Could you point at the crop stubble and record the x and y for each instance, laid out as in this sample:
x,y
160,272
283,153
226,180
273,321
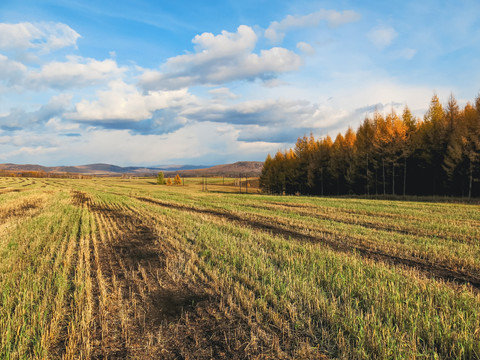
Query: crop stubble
x,y
142,280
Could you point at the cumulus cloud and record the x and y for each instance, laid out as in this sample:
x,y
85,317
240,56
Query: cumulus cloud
x,y
278,112
44,36
124,107
305,48
222,93
18,119
75,72
56,124
219,59
11,72
123,102
277,29
381,37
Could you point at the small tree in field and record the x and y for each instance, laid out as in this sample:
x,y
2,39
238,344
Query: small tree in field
x,y
177,180
160,178
169,181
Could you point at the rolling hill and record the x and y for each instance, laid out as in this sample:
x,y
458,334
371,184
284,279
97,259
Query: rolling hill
x,y
245,168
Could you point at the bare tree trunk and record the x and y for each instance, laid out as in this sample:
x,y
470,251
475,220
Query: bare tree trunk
x,y
393,177
471,181
404,175
383,173
368,189
349,180
321,172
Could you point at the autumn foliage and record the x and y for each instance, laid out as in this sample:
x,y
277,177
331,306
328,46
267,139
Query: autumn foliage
x,y
177,180
388,154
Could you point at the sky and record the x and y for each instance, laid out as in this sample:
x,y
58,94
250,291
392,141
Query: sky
x,y
153,82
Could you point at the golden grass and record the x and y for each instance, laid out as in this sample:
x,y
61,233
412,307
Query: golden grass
x,y
117,268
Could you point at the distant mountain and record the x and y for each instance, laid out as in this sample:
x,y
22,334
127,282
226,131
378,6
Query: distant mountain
x,y
26,167
249,168
240,168
180,167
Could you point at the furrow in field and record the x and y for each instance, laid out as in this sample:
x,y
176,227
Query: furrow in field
x,y
7,190
390,223
227,324
113,340
106,339
150,305
429,269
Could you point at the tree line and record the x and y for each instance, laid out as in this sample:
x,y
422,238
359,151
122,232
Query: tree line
x,y
388,154
43,174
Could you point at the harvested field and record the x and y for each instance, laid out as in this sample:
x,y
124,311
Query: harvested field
x,y
126,269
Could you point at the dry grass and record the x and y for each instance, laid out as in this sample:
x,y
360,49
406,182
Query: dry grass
x,y
116,268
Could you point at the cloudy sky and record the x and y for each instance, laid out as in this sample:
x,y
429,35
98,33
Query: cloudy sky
x,y
151,82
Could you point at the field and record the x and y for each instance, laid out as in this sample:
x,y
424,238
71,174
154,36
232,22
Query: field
x,y
125,268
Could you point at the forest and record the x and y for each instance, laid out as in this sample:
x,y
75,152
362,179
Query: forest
x,y
389,154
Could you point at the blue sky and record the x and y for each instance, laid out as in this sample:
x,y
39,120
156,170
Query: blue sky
x,y
208,82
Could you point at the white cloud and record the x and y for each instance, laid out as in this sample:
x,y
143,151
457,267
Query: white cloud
x,y
381,37
305,48
11,72
277,29
5,140
44,36
219,59
29,151
227,44
196,142
19,119
123,102
271,112
56,124
75,72
274,83
222,93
